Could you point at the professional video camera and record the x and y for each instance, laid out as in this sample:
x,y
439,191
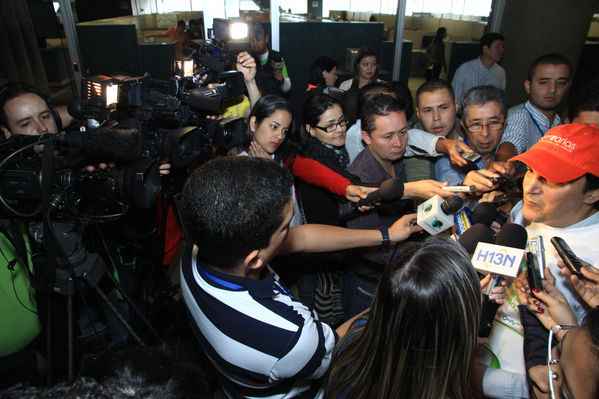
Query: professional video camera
x,y
178,102
136,149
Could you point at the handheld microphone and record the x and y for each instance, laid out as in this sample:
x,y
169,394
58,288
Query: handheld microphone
x,y
435,215
475,234
513,236
390,189
487,213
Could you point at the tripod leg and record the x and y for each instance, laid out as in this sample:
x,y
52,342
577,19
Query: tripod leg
x,y
49,376
133,306
71,359
118,315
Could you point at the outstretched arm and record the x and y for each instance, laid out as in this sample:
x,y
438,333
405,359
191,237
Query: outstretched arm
x,y
325,238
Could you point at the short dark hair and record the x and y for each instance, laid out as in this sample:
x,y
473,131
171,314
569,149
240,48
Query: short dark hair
x,y
316,105
488,38
591,323
320,65
15,89
402,91
379,105
257,30
370,90
233,205
548,59
434,85
481,95
591,183
181,23
585,99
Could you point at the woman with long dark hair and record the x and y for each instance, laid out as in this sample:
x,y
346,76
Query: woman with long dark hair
x,y
366,70
436,52
418,339
326,125
323,73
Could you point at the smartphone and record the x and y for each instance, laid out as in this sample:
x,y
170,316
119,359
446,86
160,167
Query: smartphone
x,y
536,247
532,271
277,65
460,189
471,156
568,256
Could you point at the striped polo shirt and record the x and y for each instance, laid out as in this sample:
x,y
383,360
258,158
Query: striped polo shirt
x,y
263,341
526,125
474,73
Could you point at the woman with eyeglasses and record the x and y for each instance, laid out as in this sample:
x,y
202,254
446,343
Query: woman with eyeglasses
x,y
270,134
320,277
326,125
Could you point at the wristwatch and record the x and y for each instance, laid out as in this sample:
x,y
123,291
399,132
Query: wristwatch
x,y
386,240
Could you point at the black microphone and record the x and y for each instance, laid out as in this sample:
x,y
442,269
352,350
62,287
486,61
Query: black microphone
x,y
475,234
390,189
487,213
83,109
107,144
514,236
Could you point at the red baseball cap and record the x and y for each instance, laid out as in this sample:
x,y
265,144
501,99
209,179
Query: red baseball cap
x,y
564,153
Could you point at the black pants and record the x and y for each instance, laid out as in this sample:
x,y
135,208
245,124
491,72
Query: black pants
x,y
434,72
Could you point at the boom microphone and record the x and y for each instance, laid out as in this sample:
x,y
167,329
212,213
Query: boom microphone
x,y
390,189
105,144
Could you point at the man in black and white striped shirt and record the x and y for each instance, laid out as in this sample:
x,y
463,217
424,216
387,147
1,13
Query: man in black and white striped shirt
x,y
262,340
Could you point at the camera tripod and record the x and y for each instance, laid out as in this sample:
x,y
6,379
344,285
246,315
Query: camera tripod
x,y
75,270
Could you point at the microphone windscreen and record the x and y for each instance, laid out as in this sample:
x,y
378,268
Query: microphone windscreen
x,y
485,213
109,144
391,189
512,235
475,234
452,204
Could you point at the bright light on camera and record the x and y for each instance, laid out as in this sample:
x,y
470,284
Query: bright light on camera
x,y
238,30
112,94
183,66
188,68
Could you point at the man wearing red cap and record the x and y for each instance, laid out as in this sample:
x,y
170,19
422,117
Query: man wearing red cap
x,y
561,197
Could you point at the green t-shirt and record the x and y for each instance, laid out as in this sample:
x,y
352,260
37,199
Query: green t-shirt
x,y
19,322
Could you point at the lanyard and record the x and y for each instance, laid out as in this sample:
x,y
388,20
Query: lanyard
x,y
535,122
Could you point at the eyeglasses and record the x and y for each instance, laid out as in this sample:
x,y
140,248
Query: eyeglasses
x,y
493,126
553,375
333,126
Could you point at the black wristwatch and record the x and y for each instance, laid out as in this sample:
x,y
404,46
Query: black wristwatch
x,y
386,240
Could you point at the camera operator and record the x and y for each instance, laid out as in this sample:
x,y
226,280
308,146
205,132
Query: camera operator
x,y
25,110
241,106
272,72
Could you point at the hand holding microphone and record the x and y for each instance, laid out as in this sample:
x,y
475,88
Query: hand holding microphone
x,y
511,236
390,189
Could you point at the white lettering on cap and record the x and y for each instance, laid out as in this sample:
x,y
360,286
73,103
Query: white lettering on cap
x,y
563,142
